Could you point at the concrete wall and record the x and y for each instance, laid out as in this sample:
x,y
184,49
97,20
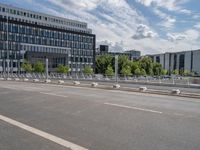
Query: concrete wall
x,y
187,61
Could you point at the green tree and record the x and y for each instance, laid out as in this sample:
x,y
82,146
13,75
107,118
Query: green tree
x,y
102,62
137,72
62,69
146,63
27,67
143,72
123,62
164,72
186,73
175,72
134,67
109,71
157,69
126,71
88,70
39,67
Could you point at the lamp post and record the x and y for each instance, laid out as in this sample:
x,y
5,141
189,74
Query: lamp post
x,y
7,59
116,68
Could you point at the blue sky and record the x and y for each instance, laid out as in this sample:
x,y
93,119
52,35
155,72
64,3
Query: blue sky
x,y
152,26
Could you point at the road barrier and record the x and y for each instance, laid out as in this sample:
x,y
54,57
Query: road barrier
x,y
61,81
47,81
76,83
116,86
142,89
25,79
36,80
176,91
94,84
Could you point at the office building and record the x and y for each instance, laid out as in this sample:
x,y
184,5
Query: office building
x,y
185,60
36,36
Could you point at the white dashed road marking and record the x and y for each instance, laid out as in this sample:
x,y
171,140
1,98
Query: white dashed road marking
x,y
135,108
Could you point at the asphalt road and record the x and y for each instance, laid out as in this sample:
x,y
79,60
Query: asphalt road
x,y
39,116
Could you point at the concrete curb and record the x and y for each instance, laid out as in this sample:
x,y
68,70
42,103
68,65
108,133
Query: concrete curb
x,y
137,90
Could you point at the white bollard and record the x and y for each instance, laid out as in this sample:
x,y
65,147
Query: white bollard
x,y
47,81
16,79
176,91
61,81
116,86
36,80
25,79
142,89
76,83
94,84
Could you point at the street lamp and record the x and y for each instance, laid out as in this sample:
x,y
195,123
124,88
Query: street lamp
x,y
116,68
7,60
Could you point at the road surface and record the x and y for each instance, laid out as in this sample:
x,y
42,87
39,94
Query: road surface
x,y
41,116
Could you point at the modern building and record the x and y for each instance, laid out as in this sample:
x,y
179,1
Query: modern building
x,y
36,36
132,54
185,60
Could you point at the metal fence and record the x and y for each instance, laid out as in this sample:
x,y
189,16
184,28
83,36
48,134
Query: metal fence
x,y
98,77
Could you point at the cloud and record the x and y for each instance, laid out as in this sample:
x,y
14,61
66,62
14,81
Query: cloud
x,y
188,35
171,5
142,32
197,26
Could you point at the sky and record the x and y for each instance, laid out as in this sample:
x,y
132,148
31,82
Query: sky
x,y
151,26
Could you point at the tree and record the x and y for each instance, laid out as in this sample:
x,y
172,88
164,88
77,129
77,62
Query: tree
x,y
157,69
62,69
175,72
134,67
126,71
186,73
102,62
143,72
137,72
109,71
39,67
88,70
164,72
146,63
27,67
123,62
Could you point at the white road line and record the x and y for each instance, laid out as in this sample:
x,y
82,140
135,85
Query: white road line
x,y
53,94
43,134
136,108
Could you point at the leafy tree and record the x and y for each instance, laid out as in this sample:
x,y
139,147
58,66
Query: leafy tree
x,y
123,62
147,64
62,69
164,72
109,71
186,73
27,67
126,71
39,67
88,70
137,72
134,66
143,72
175,72
157,69
102,62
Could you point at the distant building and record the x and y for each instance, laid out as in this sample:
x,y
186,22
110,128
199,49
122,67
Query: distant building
x,y
132,54
36,36
185,60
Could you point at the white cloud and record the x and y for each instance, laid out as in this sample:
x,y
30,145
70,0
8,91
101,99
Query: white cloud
x,y
116,22
197,26
142,32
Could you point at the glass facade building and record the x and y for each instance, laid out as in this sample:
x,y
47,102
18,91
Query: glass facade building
x,y
35,36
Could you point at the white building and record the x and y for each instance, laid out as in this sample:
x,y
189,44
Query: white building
x,y
185,60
